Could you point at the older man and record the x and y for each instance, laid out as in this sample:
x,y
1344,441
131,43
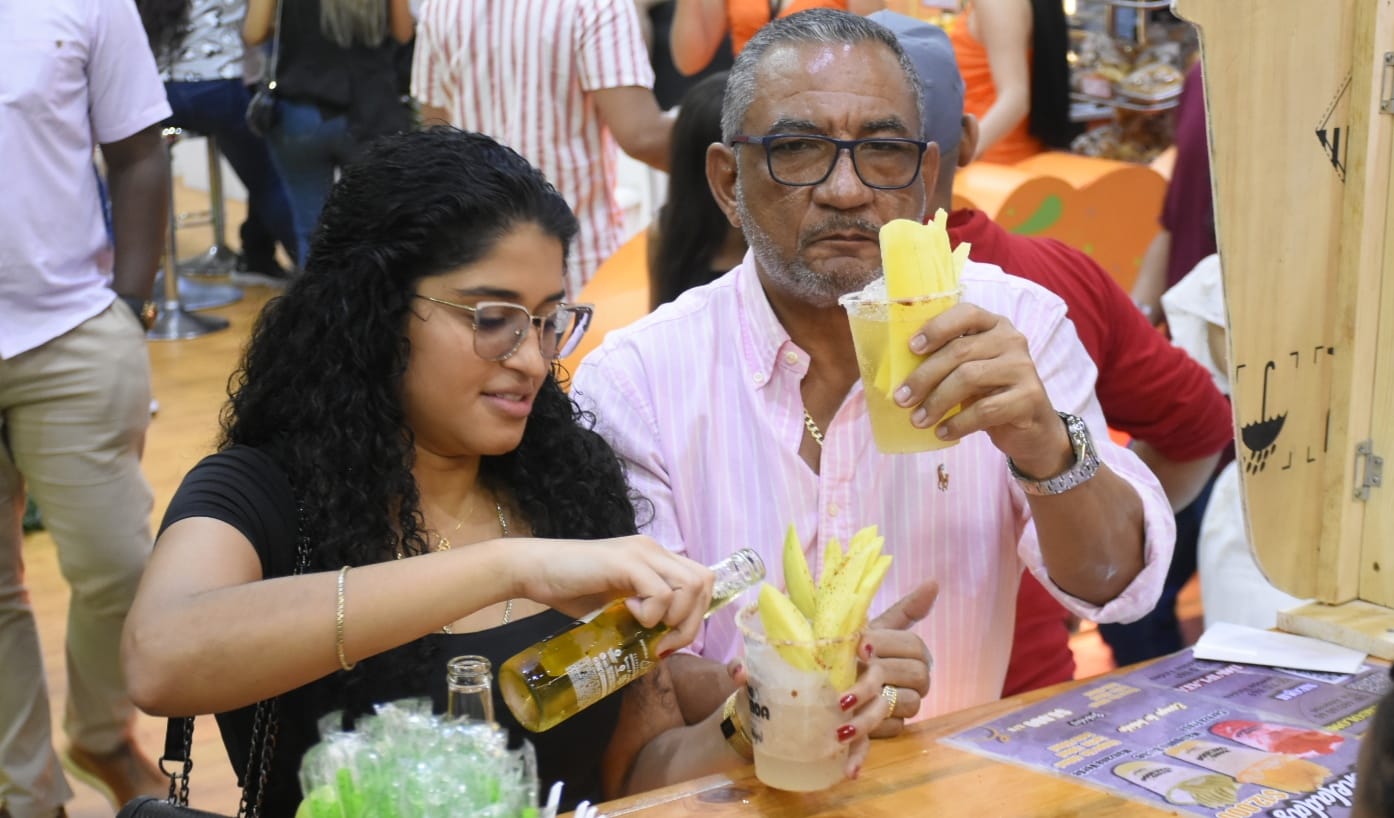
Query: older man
x,y
1148,388
739,410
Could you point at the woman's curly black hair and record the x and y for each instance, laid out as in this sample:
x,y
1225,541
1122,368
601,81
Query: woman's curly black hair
x,y
320,385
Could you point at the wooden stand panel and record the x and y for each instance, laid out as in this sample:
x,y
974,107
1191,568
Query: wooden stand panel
x,y
1300,168
1360,625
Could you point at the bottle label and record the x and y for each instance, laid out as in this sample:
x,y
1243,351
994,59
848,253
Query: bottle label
x,y
595,677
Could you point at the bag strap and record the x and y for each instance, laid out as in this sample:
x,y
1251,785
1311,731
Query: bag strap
x,y
275,49
179,732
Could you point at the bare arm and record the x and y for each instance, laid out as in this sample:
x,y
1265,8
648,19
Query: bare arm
x,y
1152,277
399,17
865,7
1182,480
432,115
700,685
643,130
259,22
138,175
1004,27
696,34
1091,537
651,747
206,575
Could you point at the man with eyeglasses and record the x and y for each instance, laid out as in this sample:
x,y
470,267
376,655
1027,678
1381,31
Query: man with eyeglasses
x,y
1147,387
739,410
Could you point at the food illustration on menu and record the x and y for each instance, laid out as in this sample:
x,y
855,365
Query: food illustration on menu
x,y
1204,738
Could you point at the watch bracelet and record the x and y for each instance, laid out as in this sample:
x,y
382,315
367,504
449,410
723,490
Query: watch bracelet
x,y
1085,466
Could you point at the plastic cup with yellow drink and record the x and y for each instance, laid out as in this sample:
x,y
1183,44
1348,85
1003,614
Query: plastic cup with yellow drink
x,y
921,281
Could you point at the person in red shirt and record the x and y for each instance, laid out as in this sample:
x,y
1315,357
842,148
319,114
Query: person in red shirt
x,y
1179,421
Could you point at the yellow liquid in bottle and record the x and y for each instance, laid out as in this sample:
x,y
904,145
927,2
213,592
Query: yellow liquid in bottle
x,y
553,680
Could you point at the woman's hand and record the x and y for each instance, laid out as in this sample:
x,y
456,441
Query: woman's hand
x,y
867,710
903,656
579,576
862,702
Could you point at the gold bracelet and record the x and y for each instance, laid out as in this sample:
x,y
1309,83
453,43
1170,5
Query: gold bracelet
x,y
339,623
733,728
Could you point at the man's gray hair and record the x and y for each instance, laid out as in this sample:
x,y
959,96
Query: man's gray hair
x,y
825,26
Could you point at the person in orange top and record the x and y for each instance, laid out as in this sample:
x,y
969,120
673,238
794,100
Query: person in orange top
x,y
1017,83
699,26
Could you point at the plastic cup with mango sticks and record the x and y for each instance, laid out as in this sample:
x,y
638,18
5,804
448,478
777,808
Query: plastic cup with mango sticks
x,y
794,713
881,329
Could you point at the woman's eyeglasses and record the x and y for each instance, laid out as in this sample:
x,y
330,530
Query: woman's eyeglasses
x,y
500,327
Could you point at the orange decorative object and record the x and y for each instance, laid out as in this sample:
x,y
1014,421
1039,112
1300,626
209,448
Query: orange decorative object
x,y
620,292
1109,210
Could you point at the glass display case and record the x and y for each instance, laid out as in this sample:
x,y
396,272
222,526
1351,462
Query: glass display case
x,y
1128,60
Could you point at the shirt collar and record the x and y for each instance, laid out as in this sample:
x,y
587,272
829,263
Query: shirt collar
x,y
762,335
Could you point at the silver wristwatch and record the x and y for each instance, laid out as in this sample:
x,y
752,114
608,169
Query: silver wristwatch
x,y
1085,465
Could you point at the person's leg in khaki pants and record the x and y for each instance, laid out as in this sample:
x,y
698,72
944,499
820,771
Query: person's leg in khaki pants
x,y
74,415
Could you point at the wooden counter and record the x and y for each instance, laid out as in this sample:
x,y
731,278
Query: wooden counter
x,y
911,775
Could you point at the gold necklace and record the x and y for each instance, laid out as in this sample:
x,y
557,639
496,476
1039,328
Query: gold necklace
x,y
444,545
503,526
813,428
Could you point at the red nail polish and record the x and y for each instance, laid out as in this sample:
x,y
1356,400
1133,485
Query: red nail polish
x,y
665,654
846,732
868,649
848,702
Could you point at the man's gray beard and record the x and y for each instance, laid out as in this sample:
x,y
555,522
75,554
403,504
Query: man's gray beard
x,y
793,276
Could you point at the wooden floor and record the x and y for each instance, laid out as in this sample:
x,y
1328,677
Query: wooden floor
x,y
190,382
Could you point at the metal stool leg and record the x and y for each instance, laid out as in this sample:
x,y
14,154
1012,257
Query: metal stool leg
x,y
219,259
173,321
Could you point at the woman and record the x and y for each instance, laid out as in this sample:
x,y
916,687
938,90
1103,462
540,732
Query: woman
x,y
700,26
692,242
337,87
396,407
1012,54
198,47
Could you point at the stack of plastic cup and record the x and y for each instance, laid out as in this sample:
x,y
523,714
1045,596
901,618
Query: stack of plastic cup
x,y
405,762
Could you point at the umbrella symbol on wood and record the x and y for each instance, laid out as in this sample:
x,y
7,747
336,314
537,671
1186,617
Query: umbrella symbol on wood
x,y
1260,436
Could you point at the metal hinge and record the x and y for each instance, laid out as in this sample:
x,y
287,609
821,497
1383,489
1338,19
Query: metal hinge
x,y
1374,469
1386,87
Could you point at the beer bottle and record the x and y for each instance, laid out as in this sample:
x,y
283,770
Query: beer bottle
x,y
548,683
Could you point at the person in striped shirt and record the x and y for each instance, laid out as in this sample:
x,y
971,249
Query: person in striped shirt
x,y
739,410
566,83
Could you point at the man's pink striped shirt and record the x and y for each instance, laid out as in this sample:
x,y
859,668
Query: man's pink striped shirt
x,y
701,398
521,72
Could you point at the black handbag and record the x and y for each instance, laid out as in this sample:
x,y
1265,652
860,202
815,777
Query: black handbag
x,y
179,745
261,110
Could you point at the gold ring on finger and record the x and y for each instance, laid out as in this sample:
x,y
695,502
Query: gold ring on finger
x,y
891,694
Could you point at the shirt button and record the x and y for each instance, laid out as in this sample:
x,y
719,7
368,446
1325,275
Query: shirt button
x,y
833,510
791,358
758,377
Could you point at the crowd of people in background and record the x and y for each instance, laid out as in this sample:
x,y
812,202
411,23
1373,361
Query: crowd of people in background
x,y
433,163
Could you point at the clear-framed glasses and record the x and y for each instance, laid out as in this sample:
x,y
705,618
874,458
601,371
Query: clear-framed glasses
x,y
501,327
801,160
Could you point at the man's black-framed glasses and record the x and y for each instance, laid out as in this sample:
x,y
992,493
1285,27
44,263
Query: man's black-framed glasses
x,y
501,327
801,160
